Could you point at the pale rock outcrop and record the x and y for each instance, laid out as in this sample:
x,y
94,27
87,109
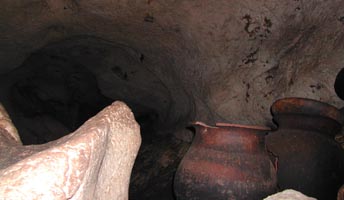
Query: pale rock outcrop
x,y
94,162
289,195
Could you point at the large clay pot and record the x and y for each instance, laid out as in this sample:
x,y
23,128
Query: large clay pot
x,y
308,157
226,162
340,195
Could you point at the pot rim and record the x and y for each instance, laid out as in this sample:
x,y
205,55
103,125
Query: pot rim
x,y
223,124
262,128
306,106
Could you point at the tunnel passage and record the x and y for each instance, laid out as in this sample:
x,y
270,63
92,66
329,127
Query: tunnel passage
x,y
62,85
54,99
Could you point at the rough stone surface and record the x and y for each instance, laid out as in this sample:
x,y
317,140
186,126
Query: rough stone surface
x,y
233,58
7,126
289,195
94,162
154,169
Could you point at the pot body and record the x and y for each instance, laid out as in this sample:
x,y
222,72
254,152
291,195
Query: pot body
x,y
340,195
309,160
226,162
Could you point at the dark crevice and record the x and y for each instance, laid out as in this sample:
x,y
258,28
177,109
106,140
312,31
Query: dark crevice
x,y
339,84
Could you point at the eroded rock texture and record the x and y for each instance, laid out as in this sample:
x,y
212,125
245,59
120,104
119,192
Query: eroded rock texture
x,y
233,57
289,194
94,162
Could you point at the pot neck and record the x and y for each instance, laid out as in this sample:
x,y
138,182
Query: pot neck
x,y
234,139
320,124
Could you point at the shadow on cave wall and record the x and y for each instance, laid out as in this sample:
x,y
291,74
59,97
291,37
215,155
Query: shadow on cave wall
x,y
57,97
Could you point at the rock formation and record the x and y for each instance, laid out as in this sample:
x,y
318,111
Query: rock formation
x,y
289,194
94,162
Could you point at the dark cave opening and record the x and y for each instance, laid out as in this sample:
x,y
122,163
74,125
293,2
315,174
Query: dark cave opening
x,y
62,85
57,97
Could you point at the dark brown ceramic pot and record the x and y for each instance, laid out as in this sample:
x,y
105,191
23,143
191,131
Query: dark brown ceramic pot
x,y
340,195
308,157
226,162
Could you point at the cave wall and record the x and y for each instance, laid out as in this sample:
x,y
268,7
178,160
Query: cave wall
x,y
227,60
180,60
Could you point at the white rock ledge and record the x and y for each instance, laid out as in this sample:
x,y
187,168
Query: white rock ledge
x,y
289,195
94,162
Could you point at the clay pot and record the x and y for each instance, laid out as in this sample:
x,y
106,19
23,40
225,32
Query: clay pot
x,y
226,162
308,157
340,195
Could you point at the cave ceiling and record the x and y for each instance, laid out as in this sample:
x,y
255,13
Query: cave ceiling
x,y
202,60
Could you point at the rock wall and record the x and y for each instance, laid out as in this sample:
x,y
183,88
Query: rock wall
x,y
94,162
234,58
